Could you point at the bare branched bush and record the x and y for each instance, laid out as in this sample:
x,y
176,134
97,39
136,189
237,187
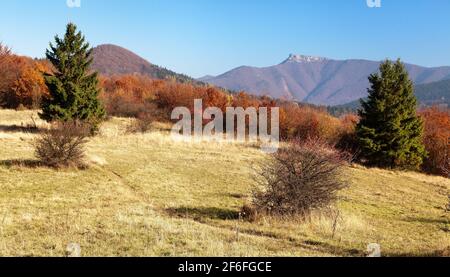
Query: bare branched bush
x,y
62,145
142,124
302,177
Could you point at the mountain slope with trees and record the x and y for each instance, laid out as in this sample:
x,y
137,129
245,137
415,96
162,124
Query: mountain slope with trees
x,y
114,60
432,94
435,93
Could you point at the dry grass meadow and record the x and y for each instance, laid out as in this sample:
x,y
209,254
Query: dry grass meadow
x,y
147,195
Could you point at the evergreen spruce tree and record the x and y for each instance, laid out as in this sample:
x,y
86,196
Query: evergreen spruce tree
x,y
390,132
73,90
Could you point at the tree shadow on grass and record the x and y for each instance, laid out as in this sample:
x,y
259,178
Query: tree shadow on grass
x,y
329,248
37,164
445,252
21,163
236,195
21,129
442,220
204,212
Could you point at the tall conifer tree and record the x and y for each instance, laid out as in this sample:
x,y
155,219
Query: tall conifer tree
x,y
73,90
390,132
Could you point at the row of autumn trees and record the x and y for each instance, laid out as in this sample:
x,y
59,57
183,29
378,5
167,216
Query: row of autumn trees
x,y
388,132
21,80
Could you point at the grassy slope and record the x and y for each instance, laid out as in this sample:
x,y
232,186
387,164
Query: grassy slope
x,y
146,195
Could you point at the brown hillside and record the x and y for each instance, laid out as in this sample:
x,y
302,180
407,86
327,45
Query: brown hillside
x,y
115,60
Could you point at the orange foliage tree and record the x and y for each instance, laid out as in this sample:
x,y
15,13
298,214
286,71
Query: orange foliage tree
x,y
128,95
304,122
347,140
213,97
8,72
437,140
29,87
21,80
245,100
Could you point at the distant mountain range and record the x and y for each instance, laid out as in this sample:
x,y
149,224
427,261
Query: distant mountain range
x,y
315,80
114,60
309,79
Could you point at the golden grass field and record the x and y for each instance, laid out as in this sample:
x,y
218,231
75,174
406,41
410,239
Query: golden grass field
x,y
147,195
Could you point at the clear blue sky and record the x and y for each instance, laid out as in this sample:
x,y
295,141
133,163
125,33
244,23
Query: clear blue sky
x,y
200,37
